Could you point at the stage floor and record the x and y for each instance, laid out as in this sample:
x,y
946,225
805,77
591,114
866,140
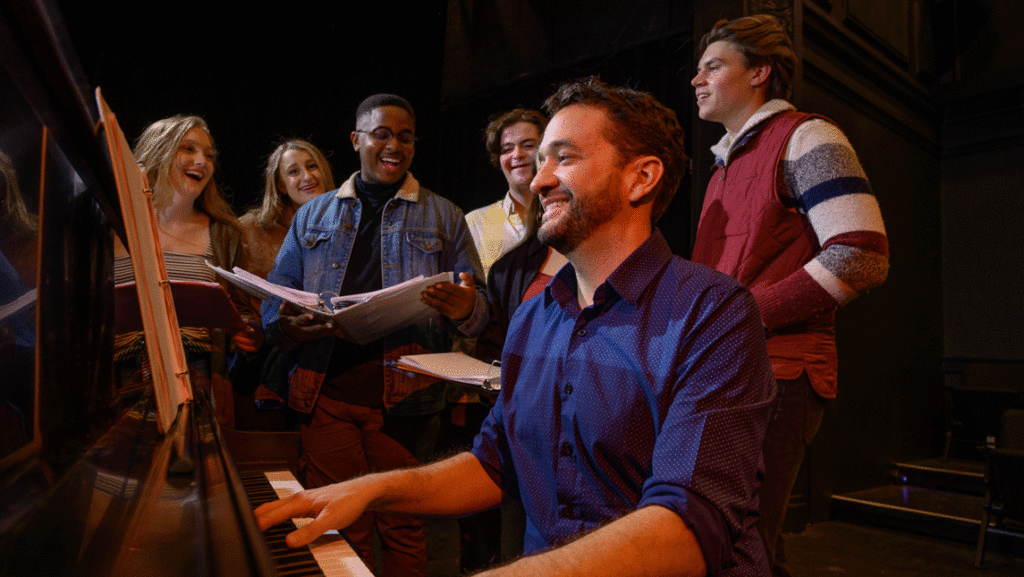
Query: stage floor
x,y
835,548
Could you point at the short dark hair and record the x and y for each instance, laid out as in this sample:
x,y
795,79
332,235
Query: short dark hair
x,y
639,126
761,40
498,124
377,100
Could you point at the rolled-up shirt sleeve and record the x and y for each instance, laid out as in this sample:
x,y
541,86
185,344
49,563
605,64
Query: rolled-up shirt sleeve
x,y
707,455
491,447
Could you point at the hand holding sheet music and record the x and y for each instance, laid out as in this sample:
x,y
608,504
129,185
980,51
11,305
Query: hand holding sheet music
x,y
361,318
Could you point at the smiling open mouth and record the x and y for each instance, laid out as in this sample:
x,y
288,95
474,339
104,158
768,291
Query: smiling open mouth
x,y
553,206
391,163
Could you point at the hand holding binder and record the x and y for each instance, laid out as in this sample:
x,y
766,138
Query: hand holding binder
x,y
361,318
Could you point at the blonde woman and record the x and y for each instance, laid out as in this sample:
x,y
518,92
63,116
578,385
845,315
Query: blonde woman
x,y
296,172
194,225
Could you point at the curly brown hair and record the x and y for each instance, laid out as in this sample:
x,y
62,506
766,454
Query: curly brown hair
x,y
639,125
498,124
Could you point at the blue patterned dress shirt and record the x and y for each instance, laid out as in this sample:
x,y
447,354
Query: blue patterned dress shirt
x,y
657,394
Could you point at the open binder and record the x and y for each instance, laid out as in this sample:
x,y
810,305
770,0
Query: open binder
x,y
364,317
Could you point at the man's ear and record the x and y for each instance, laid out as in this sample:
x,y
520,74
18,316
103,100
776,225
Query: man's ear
x,y
761,75
355,140
646,173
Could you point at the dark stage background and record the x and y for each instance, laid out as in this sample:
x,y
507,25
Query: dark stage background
x,y
258,75
300,70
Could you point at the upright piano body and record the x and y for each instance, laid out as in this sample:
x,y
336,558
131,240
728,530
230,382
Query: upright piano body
x,y
88,485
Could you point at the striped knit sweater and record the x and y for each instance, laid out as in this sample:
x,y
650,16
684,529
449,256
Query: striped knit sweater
x,y
825,181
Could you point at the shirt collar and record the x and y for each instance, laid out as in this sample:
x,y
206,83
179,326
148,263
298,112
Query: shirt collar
x,y
507,205
628,280
729,143
410,190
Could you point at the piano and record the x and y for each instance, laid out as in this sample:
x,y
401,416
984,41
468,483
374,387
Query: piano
x,y
88,485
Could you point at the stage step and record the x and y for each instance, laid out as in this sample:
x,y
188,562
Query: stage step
x,y
955,475
943,514
932,497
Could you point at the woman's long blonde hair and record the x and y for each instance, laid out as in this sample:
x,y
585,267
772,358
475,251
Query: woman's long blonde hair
x,y
274,201
155,151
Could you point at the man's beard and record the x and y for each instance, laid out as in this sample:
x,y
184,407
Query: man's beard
x,y
581,217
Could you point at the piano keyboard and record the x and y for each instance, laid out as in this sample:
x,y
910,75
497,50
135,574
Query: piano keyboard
x,y
329,555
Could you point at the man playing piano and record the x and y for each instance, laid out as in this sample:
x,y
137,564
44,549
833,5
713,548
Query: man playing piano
x,y
636,385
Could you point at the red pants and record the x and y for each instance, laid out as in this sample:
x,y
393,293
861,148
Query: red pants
x,y
342,441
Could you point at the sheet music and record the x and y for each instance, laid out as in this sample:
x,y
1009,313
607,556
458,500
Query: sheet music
x,y
458,367
171,384
363,317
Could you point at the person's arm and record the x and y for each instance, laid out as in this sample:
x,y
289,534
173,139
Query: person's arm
x,y
455,486
724,388
229,252
287,271
825,180
647,542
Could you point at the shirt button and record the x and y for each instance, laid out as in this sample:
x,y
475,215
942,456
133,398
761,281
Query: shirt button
x,y
568,389
582,332
335,265
348,225
566,449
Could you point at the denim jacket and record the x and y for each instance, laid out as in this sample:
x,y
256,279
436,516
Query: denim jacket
x,y
421,233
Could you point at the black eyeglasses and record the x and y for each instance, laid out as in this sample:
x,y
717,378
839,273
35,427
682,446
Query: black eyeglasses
x,y
383,135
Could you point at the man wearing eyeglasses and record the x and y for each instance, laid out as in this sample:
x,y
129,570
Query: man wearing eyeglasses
x,y
378,229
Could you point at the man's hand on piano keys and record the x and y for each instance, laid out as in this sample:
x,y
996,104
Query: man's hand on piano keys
x,y
331,507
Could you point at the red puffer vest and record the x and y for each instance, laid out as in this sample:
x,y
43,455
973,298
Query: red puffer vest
x,y
746,231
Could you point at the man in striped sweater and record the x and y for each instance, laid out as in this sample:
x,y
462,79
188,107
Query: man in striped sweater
x,y
789,213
